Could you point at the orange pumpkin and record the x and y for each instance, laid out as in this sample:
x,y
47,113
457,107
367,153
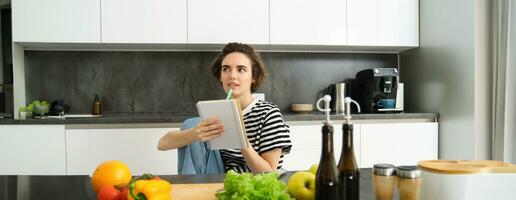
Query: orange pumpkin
x,y
111,173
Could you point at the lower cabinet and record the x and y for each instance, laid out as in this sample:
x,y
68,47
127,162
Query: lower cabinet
x,y
394,143
54,150
32,150
307,146
137,147
398,143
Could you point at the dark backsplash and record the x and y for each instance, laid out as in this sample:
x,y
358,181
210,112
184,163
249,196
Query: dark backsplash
x,y
172,82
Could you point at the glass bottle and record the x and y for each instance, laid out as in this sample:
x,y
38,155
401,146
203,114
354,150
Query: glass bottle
x,y
349,175
326,179
97,106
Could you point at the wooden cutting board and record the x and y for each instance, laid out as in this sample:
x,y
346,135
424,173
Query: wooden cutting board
x,y
200,191
466,166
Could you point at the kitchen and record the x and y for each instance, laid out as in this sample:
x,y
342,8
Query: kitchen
x,y
129,58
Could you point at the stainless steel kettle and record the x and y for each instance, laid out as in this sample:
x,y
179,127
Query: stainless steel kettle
x,y
338,93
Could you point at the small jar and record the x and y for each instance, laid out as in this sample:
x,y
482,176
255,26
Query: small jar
x,y
23,115
409,182
383,181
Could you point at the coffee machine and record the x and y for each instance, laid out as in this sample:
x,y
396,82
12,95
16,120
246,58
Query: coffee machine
x,y
378,90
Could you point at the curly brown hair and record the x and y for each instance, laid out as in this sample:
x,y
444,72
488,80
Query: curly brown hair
x,y
258,69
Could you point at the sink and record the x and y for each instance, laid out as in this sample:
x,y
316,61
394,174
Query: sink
x,y
68,116
81,115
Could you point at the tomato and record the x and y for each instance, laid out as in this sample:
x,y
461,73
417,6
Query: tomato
x,y
110,173
108,193
123,194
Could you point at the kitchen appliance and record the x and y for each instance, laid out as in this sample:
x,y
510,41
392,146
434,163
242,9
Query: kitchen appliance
x,y
338,93
59,108
467,180
373,87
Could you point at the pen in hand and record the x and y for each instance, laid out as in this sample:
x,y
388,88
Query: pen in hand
x,y
229,94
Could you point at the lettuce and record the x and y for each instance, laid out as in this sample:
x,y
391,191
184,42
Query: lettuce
x,y
245,186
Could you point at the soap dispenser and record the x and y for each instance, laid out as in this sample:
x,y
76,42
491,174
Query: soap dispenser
x,y
97,106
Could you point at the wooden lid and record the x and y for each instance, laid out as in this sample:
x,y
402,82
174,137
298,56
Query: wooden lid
x,y
466,166
302,107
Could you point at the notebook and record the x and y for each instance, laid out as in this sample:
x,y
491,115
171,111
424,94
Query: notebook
x,y
228,111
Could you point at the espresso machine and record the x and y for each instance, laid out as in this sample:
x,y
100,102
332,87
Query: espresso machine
x,y
378,90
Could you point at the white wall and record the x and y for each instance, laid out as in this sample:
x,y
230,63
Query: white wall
x,y
510,146
1,60
440,76
483,78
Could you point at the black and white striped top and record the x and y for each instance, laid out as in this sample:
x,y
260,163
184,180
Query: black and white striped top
x,y
266,130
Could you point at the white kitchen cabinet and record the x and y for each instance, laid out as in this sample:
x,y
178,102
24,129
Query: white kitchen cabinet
x,y
307,146
32,150
56,21
137,147
312,22
383,23
398,143
151,21
220,22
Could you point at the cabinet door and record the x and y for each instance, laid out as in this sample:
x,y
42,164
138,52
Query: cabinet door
x,y
151,21
56,21
307,146
317,22
398,143
383,23
87,148
32,150
220,22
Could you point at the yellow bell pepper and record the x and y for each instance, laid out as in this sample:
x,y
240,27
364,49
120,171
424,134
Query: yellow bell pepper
x,y
147,187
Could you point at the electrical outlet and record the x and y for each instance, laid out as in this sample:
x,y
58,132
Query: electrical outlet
x,y
259,96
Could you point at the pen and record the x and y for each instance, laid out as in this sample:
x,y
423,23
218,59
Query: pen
x,y
229,94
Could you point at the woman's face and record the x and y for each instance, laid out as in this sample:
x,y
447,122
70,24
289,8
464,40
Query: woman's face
x,y
236,74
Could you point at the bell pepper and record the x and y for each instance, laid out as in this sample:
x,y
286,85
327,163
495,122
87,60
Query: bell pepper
x,y
149,187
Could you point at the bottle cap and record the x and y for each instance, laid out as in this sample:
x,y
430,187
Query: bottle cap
x,y
383,169
408,171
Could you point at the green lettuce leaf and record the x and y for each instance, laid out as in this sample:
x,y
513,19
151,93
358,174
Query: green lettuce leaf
x,y
245,186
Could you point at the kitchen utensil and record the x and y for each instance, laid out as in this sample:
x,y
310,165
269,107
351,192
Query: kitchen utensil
x,y
384,178
59,108
471,180
302,108
338,93
409,182
195,191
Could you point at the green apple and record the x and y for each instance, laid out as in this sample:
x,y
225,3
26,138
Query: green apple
x,y
301,185
313,169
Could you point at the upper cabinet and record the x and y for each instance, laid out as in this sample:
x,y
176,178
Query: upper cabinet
x,y
307,25
56,21
151,21
313,22
383,23
220,22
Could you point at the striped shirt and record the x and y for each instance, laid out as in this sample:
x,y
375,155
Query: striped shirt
x,y
266,130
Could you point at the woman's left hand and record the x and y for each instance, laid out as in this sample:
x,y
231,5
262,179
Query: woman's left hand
x,y
208,129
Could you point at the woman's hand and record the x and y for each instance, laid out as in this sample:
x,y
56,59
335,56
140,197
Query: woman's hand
x,y
208,129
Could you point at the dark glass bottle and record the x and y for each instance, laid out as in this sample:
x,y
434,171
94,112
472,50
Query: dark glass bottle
x,y
326,179
349,175
97,106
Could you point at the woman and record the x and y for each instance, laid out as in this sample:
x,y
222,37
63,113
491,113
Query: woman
x,y
239,67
